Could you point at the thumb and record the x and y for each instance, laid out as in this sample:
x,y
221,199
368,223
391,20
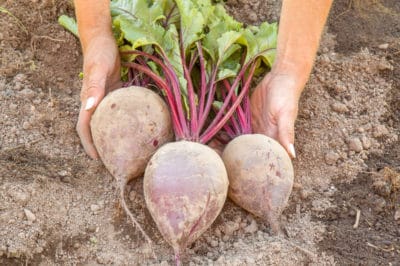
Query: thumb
x,y
286,135
93,89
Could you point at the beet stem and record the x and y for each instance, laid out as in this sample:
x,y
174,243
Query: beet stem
x,y
210,98
191,94
203,86
239,111
217,125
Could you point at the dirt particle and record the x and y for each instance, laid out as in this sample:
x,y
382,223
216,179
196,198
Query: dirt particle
x,y
29,215
253,17
230,227
339,107
66,179
94,208
380,131
19,78
214,243
379,204
355,144
331,157
384,65
366,142
397,215
383,46
63,173
13,106
19,197
27,93
91,228
252,227
305,194
132,195
38,250
26,125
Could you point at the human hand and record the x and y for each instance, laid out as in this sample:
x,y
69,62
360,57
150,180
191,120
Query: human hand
x,y
101,74
274,106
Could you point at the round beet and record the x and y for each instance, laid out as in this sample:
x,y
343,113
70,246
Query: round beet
x,y
185,188
127,127
260,176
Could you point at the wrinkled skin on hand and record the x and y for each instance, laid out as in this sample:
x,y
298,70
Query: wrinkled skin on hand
x,y
274,107
101,70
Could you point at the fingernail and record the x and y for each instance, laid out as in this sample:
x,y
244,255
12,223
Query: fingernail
x,y
292,151
89,103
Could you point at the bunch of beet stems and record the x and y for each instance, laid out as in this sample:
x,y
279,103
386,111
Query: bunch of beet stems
x,y
192,124
240,122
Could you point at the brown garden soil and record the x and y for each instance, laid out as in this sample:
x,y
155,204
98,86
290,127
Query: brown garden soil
x,y
58,207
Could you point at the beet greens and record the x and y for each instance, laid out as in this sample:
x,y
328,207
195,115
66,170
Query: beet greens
x,y
193,52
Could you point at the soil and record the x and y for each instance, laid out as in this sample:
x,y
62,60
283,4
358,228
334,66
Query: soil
x,y
58,207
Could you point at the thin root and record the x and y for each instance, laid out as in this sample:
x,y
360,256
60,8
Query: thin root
x,y
134,221
305,251
21,145
379,248
357,222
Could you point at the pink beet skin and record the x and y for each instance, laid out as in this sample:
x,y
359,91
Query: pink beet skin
x,y
185,187
260,176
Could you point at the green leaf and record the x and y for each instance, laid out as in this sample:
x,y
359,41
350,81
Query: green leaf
x,y
260,41
146,11
226,45
191,24
69,24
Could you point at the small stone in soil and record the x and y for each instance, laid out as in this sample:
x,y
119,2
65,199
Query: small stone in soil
x,y
331,157
252,228
397,215
20,197
355,145
380,131
380,204
383,46
29,215
132,195
366,142
230,227
26,125
339,107
214,243
94,208
27,93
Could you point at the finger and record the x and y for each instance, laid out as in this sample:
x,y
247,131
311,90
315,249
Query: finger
x,y
92,93
271,130
84,132
286,135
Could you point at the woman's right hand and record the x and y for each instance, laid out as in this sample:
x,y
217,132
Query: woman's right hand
x,y
101,74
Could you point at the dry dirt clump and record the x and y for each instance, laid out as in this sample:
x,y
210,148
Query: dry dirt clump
x,y
254,11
